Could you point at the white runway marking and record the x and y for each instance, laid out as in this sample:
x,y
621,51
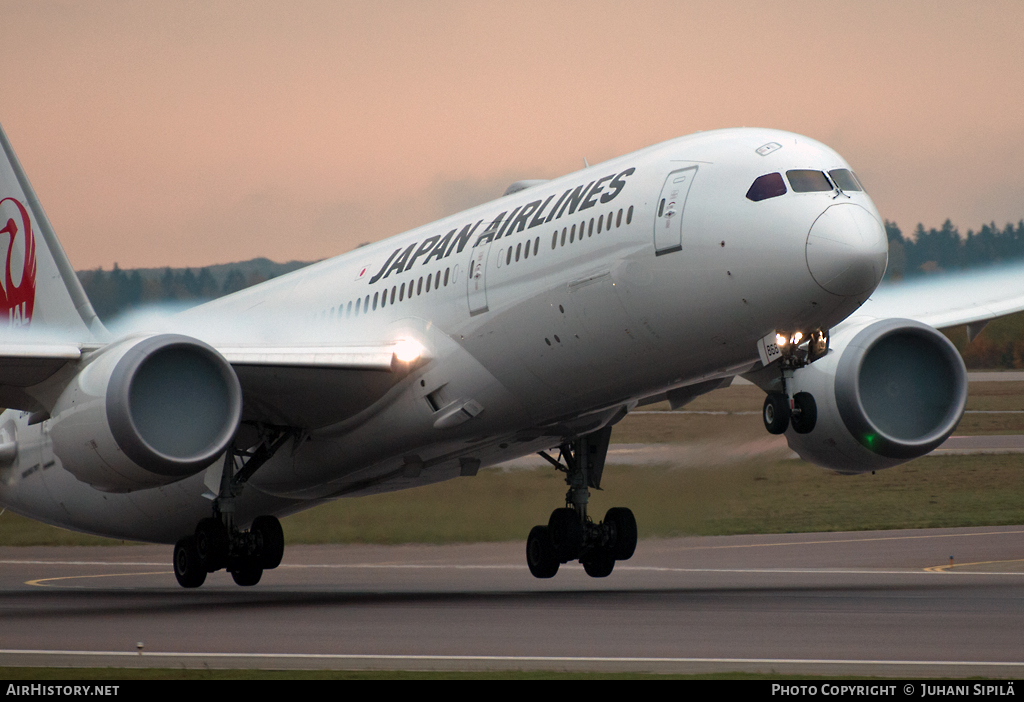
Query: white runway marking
x,y
412,658
930,570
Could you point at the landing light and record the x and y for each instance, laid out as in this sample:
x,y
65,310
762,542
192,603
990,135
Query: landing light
x,y
780,340
408,350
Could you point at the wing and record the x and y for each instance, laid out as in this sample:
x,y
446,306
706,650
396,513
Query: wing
x,y
951,299
23,366
307,386
315,386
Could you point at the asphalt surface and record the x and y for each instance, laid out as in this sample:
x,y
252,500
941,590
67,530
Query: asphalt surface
x,y
853,603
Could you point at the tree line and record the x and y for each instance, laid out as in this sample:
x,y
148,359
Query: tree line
x,y
945,249
120,290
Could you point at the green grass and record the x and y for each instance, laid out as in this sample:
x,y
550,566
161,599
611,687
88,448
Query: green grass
x,y
752,497
747,498
16,530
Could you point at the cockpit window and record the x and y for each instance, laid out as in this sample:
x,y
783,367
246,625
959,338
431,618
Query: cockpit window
x,y
846,180
767,186
808,181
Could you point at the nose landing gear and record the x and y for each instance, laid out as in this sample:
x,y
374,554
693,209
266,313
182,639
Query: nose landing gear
x,y
570,534
779,413
784,409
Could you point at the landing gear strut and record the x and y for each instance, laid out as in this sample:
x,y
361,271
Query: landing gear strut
x,y
217,542
570,534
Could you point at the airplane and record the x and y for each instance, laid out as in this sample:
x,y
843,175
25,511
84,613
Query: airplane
x,y
528,324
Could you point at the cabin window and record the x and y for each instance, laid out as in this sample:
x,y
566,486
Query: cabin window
x,y
554,240
357,307
519,248
401,293
629,215
808,181
375,299
766,186
508,256
446,277
564,230
393,291
572,234
419,286
618,220
348,312
591,227
600,221
846,180
536,246
526,251
437,280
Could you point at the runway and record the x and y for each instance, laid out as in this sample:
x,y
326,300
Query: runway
x,y
853,603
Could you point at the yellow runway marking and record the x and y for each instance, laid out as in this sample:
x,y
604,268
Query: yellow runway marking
x,y
40,581
945,568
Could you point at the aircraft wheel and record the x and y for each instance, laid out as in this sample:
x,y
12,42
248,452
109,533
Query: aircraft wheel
x,y
540,554
599,563
804,420
566,534
211,540
776,413
247,576
271,539
624,544
188,568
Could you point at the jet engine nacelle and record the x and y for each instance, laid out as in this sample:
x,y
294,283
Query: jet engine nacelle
x,y
886,393
146,412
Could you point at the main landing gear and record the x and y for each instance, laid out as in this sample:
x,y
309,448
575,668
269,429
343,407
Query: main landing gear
x,y
217,542
570,534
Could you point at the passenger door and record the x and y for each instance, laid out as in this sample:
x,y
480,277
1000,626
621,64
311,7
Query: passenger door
x,y
668,222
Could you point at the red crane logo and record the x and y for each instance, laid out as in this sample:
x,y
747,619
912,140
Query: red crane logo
x,y
17,301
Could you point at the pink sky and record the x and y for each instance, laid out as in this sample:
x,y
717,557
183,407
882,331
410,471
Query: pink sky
x,y
191,133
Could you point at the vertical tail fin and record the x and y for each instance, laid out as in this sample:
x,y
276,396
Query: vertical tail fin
x,y
38,286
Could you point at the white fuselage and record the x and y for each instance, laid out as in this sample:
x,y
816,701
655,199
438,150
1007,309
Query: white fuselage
x,y
535,347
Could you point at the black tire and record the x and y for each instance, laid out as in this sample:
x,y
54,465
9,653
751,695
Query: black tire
x,y
566,532
270,536
806,417
212,540
188,568
247,576
776,413
623,522
599,563
540,554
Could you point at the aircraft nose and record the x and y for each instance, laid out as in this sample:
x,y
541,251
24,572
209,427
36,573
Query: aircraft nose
x,y
847,250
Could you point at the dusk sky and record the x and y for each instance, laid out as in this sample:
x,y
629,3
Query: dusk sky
x,y
191,133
